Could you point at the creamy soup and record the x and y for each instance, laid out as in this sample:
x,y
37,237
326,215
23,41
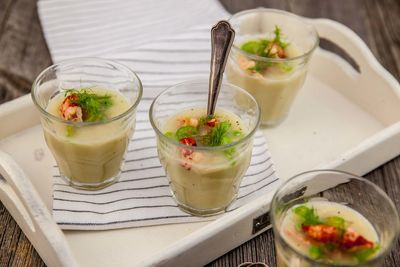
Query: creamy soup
x,y
89,154
326,232
204,177
274,84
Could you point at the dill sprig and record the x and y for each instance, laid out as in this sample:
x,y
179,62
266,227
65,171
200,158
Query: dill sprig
x,y
219,134
93,105
222,134
278,37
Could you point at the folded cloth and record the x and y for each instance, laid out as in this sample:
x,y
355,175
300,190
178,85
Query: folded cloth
x,y
164,42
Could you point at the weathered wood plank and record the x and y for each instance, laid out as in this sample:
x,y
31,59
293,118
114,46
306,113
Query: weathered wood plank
x,y
15,248
5,6
384,23
23,51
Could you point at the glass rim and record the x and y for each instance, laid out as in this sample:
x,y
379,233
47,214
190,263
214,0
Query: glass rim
x,y
376,258
77,61
204,148
282,12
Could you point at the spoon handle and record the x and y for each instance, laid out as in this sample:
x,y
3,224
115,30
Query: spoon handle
x,y
222,36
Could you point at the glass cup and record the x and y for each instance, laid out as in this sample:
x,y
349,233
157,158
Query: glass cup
x,y
89,154
274,82
359,199
206,187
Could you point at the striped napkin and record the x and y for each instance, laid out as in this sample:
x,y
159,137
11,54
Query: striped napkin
x,y
165,42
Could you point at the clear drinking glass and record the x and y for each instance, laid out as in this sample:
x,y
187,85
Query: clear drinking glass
x,y
89,154
206,187
324,190
274,82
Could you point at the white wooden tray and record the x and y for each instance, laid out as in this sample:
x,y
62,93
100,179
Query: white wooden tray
x,y
341,119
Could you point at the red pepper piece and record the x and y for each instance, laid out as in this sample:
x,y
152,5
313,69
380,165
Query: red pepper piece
x,y
322,233
189,141
352,239
212,122
186,153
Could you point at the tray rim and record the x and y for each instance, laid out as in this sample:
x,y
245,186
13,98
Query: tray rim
x,y
251,209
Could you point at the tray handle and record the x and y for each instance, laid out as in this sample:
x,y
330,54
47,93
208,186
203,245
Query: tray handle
x,y
354,46
32,215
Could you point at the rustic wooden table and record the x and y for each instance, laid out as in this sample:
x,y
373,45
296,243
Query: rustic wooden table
x,y
23,54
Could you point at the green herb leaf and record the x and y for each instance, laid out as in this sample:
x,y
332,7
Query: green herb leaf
x,y
329,247
255,47
236,133
338,222
260,66
315,252
365,254
170,135
186,131
230,153
70,130
285,67
306,215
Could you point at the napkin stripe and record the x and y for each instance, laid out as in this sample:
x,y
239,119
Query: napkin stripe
x,y
169,72
258,172
112,201
243,185
129,221
118,210
113,191
258,189
162,62
261,162
141,159
137,179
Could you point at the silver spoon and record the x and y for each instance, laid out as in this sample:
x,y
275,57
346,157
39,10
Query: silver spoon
x,y
222,36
